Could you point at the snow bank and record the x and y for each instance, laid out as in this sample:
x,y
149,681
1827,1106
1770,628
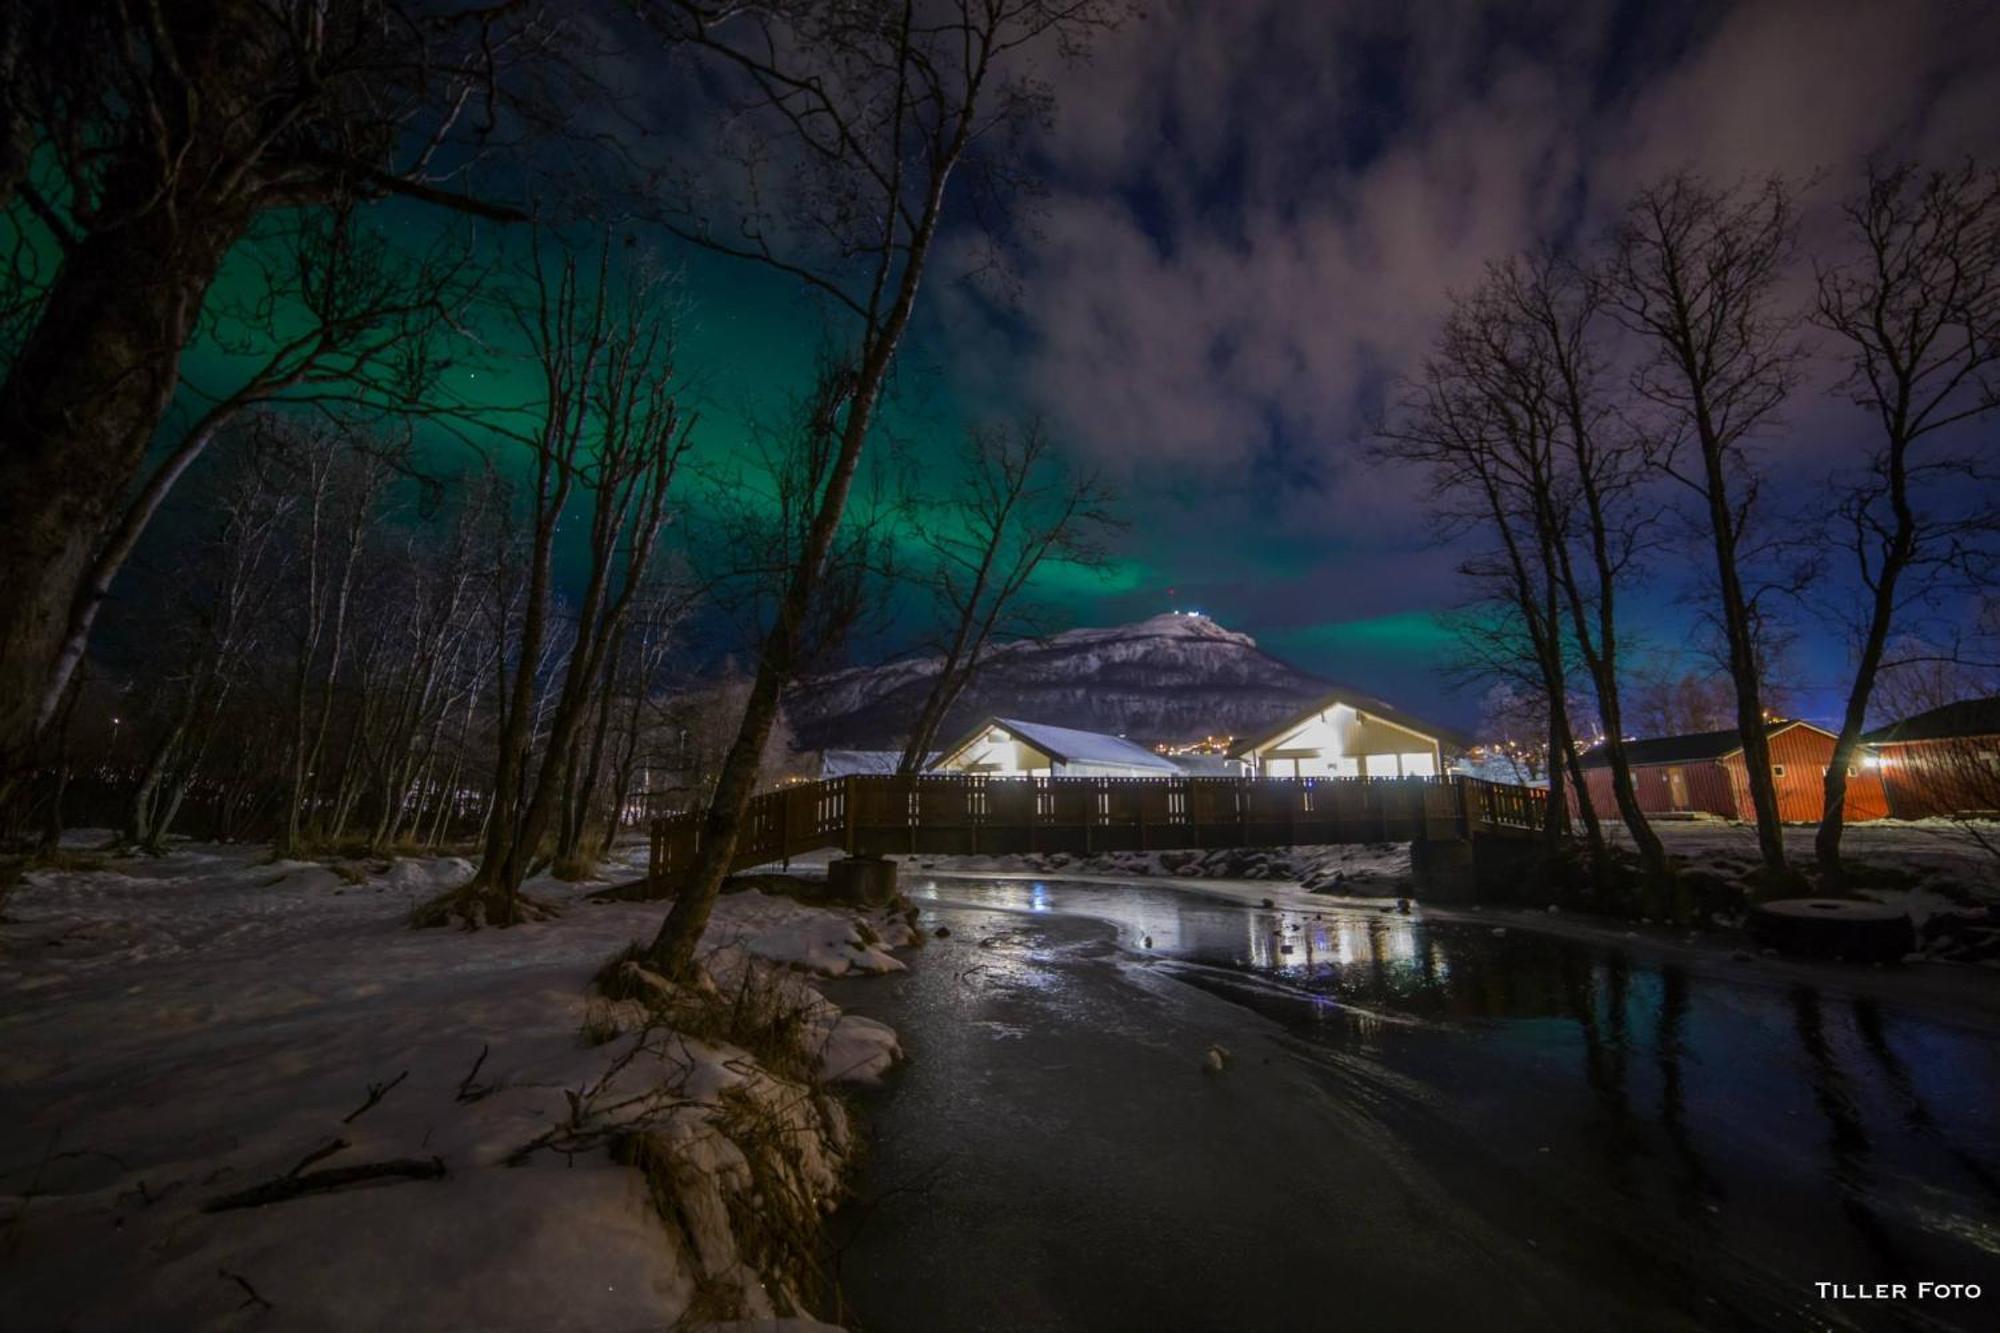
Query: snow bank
x,y
182,1029
813,939
1360,869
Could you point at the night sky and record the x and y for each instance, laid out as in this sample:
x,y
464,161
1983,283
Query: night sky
x,y
1256,211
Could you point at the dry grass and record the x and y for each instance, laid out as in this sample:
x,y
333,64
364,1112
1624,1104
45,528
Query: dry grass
x,y
580,864
779,1121
764,1011
780,1229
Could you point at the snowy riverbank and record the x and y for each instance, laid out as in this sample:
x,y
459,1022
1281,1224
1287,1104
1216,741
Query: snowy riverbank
x,y
189,1034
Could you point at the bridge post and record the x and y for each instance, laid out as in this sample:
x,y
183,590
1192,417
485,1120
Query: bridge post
x,y
847,820
1444,870
1484,868
866,880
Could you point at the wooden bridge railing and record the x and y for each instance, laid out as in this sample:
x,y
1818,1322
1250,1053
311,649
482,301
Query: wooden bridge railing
x,y
974,815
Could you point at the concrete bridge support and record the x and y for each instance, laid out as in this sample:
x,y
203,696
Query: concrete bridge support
x,y
867,881
1478,869
1443,871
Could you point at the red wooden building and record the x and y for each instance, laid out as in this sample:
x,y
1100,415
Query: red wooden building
x,y
1942,762
1705,772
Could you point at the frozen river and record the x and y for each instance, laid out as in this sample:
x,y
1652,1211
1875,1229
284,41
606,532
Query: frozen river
x,y
1422,1124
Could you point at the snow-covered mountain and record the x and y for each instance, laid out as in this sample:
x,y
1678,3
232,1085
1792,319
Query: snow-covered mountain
x,y
1175,677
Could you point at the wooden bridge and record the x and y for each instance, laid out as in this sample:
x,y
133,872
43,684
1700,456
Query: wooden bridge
x,y
953,815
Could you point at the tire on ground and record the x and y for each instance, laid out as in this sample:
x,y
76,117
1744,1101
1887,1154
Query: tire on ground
x,y
1859,932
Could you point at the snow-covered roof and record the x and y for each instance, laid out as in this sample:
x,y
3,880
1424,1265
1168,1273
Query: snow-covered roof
x,y
1208,765
1691,748
847,763
1071,746
1450,738
1953,721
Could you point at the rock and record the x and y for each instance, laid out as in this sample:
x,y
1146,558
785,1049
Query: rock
x,y
1217,1058
1266,902
1403,906
1499,932
942,932
1147,942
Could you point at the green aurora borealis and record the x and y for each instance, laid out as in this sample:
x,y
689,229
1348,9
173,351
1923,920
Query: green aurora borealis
x,y
748,340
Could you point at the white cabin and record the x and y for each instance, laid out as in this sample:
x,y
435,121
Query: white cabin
x,y
1349,736
1004,747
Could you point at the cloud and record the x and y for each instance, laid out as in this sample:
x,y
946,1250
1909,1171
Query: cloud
x,y
1261,208
1259,211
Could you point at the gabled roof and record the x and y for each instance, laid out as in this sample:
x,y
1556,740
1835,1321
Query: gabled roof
x,y
842,763
1360,703
1691,748
1966,717
1207,765
1067,745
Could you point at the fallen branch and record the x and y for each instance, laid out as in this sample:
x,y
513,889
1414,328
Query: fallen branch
x,y
327,1149
376,1092
333,1178
248,1290
468,1091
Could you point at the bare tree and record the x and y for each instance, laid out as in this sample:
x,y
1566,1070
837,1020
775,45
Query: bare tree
x,y
873,110
1695,273
610,427
163,134
701,725
638,726
1514,722
1917,315
1668,698
1017,506
1492,476
1533,345
437,600
216,622
340,487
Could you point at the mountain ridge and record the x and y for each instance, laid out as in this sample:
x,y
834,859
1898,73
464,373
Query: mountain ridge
x,y
1177,678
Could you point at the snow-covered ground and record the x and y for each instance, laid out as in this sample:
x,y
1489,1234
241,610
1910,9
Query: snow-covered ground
x,y
1940,850
177,1031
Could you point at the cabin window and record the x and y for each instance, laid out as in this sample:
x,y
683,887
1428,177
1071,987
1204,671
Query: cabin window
x,y
1777,770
